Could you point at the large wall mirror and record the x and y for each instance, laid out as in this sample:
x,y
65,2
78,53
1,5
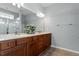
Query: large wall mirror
x,y
9,19
14,18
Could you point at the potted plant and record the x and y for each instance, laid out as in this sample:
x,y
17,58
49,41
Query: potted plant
x,y
30,29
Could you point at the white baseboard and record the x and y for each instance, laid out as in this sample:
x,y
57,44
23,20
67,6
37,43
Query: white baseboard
x,y
66,49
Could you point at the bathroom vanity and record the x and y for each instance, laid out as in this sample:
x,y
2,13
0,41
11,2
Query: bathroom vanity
x,y
25,44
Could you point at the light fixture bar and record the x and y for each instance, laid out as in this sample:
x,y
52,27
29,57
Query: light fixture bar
x,y
39,14
18,4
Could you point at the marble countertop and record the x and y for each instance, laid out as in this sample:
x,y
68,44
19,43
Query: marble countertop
x,y
20,35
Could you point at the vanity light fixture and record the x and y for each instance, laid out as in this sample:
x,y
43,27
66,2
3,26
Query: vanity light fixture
x,y
18,18
14,4
18,4
39,14
22,4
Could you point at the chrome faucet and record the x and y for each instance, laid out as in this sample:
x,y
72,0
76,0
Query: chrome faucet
x,y
7,30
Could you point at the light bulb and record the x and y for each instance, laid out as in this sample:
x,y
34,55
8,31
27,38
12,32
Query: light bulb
x,y
39,14
18,5
18,18
13,4
22,4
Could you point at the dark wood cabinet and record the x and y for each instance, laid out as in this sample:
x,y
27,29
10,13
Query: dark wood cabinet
x,y
8,52
30,49
16,51
20,50
7,44
41,44
44,42
48,40
27,46
7,47
36,45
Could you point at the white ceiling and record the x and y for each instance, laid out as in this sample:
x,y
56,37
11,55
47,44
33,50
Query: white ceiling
x,y
10,7
27,8
37,7
34,7
46,4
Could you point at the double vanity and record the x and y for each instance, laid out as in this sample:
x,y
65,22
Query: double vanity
x,y
24,44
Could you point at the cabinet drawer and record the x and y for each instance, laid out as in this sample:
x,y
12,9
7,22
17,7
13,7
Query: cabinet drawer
x,y
41,38
47,36
35,38
7,44
8,52
24,40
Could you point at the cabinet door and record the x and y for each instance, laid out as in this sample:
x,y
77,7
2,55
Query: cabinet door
x,y
47,40
8,52
48,36
20,50
41,44
7,44
36,45
30,48
35,49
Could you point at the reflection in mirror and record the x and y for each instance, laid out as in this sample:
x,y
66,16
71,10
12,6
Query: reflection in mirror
x,y
9,21
13,19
